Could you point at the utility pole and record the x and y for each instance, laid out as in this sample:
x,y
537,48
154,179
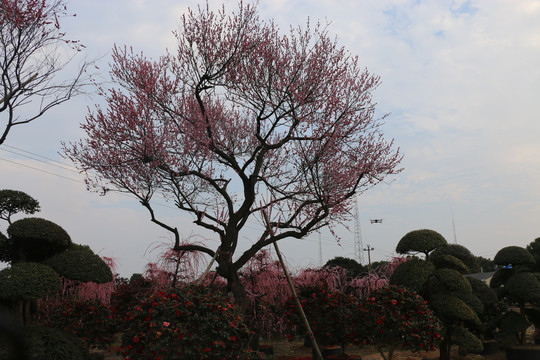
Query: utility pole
x,y
369,249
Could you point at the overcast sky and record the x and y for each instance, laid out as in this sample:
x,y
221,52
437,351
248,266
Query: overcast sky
x,y
460,79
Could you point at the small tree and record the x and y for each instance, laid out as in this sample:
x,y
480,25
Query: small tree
x,y
420,241
240,123
518,286
30,59
13,202
81,265
449,294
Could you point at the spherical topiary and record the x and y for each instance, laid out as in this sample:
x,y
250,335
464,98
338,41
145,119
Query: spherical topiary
x,y
450,262
36,239
420,241
27,281
80,265
412,274
514,256
45,343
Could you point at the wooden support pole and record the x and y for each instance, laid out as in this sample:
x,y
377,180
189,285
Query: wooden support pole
x,y
295,295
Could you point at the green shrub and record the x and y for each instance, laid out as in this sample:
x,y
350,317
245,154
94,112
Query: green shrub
x,y
36,239
412,275
28,281
46,343
81,265
185,323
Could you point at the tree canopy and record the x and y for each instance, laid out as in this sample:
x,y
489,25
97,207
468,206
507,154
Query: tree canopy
x,y
14,201
240,123
30,36
420,241
36,239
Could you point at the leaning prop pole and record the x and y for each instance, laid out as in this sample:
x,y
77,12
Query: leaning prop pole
x,y
295,296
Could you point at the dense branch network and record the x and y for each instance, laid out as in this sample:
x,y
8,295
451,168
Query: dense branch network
x,y
240,123
33,51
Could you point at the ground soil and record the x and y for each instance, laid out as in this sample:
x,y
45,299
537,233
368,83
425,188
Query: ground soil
x,y
296,348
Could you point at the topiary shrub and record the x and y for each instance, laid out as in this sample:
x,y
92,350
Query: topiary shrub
x,y
81,265
449,262
45,343
394,318
460,252
420,241
14,201
90,320
36,239
412,275
28,281
24,283
185,323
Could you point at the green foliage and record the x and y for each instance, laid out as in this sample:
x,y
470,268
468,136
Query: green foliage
x,y
465,339
36,239
448,281
512,324
515,256
460,252
450,262
500,277
394,316
523,287
329,314
89,320
420,241
452,310
534,249
472,301
28,281
352,266
13,201
46,343
80,264
486,265
6,248
484,293
412,274
185,323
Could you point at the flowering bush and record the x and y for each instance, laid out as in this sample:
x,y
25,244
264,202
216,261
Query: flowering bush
x,y
329,314
394,316
127,295
89,320
185,323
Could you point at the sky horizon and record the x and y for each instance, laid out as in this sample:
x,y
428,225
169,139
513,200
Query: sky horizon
x,y
460,82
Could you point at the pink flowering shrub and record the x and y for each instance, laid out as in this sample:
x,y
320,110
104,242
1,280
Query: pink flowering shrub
x,y
330,314
185,323
393,317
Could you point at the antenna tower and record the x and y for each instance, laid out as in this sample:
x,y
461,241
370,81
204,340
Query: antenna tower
x,y
358,246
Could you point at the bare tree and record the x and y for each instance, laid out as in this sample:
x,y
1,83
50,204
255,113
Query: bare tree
x,y
33,51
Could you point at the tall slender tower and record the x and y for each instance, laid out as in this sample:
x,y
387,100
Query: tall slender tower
x,y
358,246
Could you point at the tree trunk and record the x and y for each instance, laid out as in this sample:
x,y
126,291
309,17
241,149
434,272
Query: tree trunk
x,y
234,285
445,347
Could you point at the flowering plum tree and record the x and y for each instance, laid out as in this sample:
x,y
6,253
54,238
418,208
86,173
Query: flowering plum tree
x,y
240,123
30,40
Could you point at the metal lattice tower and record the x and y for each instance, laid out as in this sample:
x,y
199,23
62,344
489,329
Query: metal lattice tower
x,y
358,246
